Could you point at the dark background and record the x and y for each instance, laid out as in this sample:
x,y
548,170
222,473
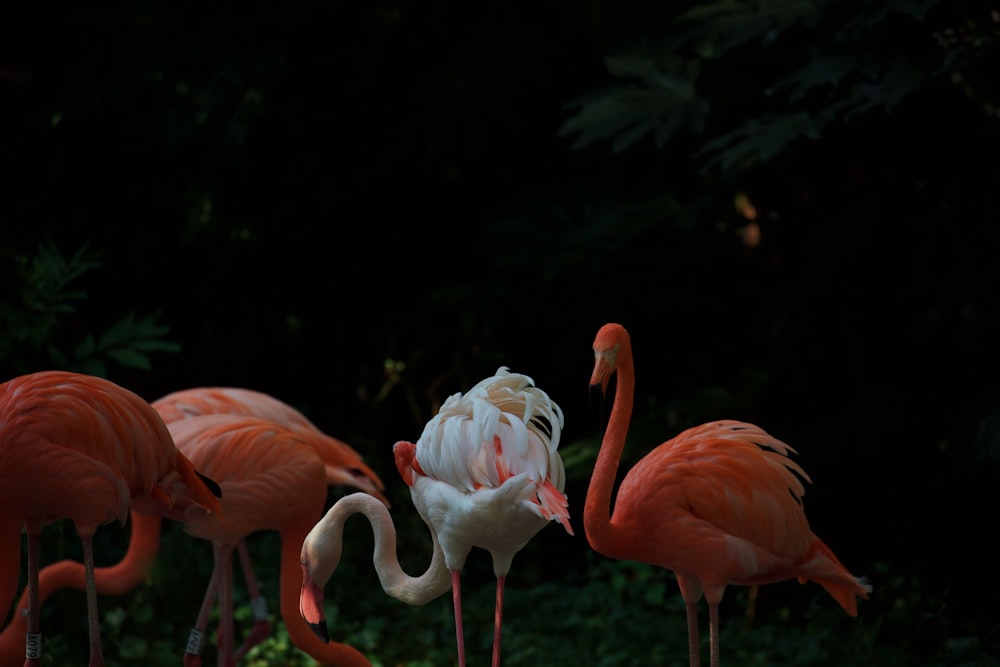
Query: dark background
x,y
362,209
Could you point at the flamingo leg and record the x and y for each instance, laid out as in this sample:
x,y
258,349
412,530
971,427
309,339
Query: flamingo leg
x,y
262,626
93,620
192,653
498,621
694,649
713,634
224,635
456,598
33,640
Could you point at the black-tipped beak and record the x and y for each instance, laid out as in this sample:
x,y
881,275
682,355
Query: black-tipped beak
x,y
321,631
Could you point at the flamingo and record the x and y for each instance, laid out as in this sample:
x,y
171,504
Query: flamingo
x,y
718,504
486,472
272,478
343,465
81,447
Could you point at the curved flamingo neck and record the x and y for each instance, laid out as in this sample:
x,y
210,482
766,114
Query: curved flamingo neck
x,y
419,590
597,508
396,583
299,632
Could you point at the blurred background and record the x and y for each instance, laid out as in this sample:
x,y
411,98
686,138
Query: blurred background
x,y
362,209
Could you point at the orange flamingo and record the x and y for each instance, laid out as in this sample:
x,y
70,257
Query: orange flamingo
x,y
272,478
484,473
718,504
83,448
343,466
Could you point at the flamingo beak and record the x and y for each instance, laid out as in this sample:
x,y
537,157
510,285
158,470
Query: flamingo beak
x,y
604,368
311,606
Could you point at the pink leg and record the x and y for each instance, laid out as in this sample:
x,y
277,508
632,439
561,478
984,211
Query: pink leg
x,y
96,656
261,626
498,621
33,645
691,591
33,638
713,634
694,649
456,598
224,635
192,653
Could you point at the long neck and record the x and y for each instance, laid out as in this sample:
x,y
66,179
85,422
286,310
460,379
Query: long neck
x,y
419,590
299,632
597,509
116,579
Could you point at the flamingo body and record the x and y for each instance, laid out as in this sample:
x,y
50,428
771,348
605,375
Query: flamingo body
x,y
718,504
344,466
501,520
83,448
257,464
486,473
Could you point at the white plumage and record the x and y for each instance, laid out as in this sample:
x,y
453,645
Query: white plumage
x,y
486,473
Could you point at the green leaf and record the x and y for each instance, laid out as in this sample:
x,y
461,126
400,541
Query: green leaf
x,y
130,358
59,360
662,102
85,348
759,139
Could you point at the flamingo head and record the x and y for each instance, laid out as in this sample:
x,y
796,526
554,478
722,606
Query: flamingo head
x,y
611,349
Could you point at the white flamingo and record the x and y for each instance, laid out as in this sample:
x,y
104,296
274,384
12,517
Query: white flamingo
x,y
485,473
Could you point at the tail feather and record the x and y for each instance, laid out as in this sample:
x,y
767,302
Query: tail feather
x,y
846,593
824,568
554,505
